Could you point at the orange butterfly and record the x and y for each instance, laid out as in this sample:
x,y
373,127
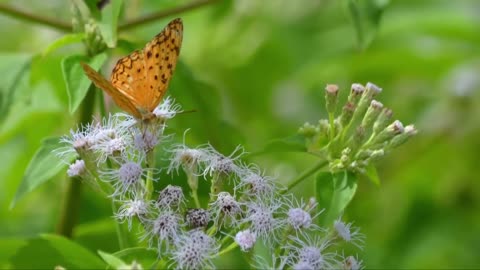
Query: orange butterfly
x,y
140,80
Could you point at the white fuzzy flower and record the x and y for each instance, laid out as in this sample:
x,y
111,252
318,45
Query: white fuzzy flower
x,y
77,168
311,252
126,179
167,109
187,158
194,250
131,209
170,197
165,228
263,221
225,210
245,240
349,233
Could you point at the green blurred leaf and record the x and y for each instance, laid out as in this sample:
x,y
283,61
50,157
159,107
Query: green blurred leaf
x,y
13,68
372,174
207,121
334,192
63,41
366,16
112,260
76,81
295,143
49,251
143,256
8,248
42,167
49,69
109,23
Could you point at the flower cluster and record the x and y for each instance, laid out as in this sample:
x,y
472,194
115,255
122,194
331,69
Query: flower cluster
x,y
362,133
246,207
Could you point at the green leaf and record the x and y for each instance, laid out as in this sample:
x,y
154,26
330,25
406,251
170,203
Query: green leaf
x,y
49,69
8,248
43,166
109,22
49,251
76,81
334,192
372,174
295,143
141,255
366,16
14,68
112,260
63,41
207,120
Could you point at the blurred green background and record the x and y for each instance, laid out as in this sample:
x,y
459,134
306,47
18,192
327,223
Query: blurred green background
x,y
255,71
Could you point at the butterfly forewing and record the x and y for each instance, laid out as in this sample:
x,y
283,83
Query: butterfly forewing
x,y
118,97
161,55
143,76
139,81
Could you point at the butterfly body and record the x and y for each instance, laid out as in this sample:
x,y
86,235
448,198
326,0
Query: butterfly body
x,y
140,80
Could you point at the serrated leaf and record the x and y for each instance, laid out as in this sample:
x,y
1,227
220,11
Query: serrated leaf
x,y
112,260
334,192
108,25
76,81
63,41
372,174
49,251
42,167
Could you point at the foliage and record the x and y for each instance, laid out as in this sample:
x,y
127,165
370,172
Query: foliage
x,y
254,71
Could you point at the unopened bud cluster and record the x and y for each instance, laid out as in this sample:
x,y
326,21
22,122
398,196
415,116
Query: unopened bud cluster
x,y
82,21
244,209
358,133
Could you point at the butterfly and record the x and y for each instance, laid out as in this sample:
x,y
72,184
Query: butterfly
x,y
140,80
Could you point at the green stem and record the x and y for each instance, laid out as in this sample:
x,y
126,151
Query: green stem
x,y
194,195
150,165
22,15
120,228
165,13
193,184
227,249
70,207
331,120
282,248
305,175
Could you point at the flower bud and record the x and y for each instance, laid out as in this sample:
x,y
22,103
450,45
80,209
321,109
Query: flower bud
x,y
371,90
400,139
331,97
170,196
197,218
347,114
389,132
356,93
382,121
357,139
376,154
372,113
308,130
